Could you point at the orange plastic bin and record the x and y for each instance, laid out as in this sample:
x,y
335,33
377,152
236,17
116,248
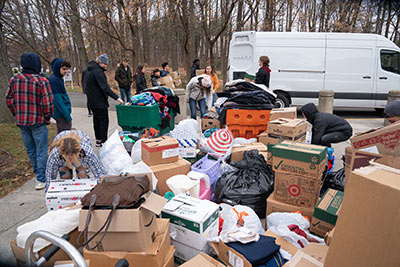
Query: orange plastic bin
x,y
247,123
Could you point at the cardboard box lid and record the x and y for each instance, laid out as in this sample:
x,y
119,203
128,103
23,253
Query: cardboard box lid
x,y
328,206
285,245
71,185
278,110
254,145
287,122
229,256
313,255
203,260
385,175
159,143
300,152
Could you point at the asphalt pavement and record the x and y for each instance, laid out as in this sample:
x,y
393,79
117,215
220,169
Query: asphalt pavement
x,y
25,204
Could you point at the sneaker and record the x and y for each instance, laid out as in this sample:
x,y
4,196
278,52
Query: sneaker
x,y
39,185
99,144
90,115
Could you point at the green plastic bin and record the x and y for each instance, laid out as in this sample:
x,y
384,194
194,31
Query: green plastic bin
x,y
135,118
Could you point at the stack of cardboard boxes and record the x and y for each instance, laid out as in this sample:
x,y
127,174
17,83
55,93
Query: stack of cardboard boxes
x,y
298,172
162,156
167,81
176,77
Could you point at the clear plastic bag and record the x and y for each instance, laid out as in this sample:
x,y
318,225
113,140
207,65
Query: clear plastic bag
x,y
136,153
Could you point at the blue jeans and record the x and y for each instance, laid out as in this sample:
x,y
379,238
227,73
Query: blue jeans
x,y
125,93
36,143
192,105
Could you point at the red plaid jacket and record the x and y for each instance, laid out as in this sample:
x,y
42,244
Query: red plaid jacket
x,y
29,99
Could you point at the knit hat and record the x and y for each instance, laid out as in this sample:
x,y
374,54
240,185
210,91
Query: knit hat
x,y
103,59
206,81
392,109
196,60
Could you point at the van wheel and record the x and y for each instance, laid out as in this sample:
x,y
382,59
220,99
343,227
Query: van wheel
x,y
282,100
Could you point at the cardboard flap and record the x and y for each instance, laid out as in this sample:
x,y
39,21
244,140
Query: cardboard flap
x,y
163,141
154,203
202,260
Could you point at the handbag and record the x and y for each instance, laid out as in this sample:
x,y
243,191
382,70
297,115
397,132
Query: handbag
x,y
114,192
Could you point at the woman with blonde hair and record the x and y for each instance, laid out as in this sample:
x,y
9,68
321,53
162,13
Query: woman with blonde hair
x,y
214,79
69,150
263,74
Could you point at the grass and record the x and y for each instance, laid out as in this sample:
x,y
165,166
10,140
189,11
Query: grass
x,y
15,168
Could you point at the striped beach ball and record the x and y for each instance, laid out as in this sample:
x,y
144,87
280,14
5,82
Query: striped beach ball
x,y
220,141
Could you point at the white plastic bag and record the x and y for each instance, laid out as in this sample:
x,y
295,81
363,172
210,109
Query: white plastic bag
x,y
286,219
186,129
243,141
140,168
245,216
136,153
113,155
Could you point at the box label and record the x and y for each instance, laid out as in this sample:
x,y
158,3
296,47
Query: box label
x,y
169,153
190,225
235,260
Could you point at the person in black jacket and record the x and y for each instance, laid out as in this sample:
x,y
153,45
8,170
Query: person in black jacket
x,y
97,91
140,80
327,128
263,74
123,76
195,66
83,81
154,78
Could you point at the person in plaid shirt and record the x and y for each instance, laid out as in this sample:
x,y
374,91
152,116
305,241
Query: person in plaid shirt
x,y
30,100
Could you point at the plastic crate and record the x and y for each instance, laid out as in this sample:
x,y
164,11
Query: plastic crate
x,y
209,166
135,118
247,117
247,131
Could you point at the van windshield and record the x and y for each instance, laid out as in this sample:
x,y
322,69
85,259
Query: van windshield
x,y
390,61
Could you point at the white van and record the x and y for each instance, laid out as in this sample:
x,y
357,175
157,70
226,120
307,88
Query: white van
x,y
360,68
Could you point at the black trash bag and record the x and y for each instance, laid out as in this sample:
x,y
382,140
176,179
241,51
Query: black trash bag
x,y
335,180
250,185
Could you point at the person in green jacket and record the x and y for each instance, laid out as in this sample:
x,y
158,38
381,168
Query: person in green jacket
x,y
62,103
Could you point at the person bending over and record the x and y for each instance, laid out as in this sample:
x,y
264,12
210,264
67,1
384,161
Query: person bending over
x,y
327,128
392,111
197,90
69,150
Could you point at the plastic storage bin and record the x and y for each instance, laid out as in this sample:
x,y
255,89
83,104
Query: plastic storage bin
x,y
247,131
247,123
209,166
135,118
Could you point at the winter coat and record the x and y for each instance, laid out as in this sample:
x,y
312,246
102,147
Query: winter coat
x,y
97,89
83,80
154,81
215,82
324,123
123,77
262,76
140,83
62,103
193,70
163,73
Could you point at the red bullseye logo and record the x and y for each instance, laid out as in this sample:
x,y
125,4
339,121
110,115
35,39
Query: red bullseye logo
x,y
294,190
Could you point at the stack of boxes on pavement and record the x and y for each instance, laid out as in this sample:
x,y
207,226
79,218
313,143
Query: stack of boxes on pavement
x,y
172,80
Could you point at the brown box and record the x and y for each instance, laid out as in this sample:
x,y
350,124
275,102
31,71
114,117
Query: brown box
x,y
229,256
328,237
61,255
367,231
274,205
348,152
202,260
200,72
313,255
139,225
175,75
210,123
297,190
284,129
165,171
384,140
69,263
160,150
167,81
283,113
155,256
238,151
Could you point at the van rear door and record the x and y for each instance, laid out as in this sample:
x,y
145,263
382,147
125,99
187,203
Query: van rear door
x,y
241,55
350,70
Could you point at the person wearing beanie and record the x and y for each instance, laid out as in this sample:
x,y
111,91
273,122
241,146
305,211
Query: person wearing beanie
x,y
197,90
98,91
392,111
327,128
154,77
32,116
62,103
165,69
195,66
263,74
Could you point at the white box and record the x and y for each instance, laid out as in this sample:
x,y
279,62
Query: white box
x,y
192,221
187,148
185,253
62,193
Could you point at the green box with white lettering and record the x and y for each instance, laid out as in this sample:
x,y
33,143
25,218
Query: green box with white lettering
x,y
326,212
301,159
192,220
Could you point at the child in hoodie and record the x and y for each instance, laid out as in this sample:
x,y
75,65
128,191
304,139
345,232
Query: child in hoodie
x,y
62,103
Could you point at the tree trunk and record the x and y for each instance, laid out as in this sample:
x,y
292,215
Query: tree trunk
x,y
239,17
5,73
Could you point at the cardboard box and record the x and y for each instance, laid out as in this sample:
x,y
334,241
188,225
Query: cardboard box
x,y
367,231
62,193
379,141
229,256
187,148
285,245
269,154
160,150
274,205
61,255
203,260
68,263
302,159
296,190
127,224
328,237
284,129
348,152
326,212
200,72
192,220
313,255
165,171
167,81
184,253
238,150
209,124
283,113
175,75
154,256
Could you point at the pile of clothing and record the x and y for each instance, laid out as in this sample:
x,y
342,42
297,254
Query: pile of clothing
x,y
241,94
